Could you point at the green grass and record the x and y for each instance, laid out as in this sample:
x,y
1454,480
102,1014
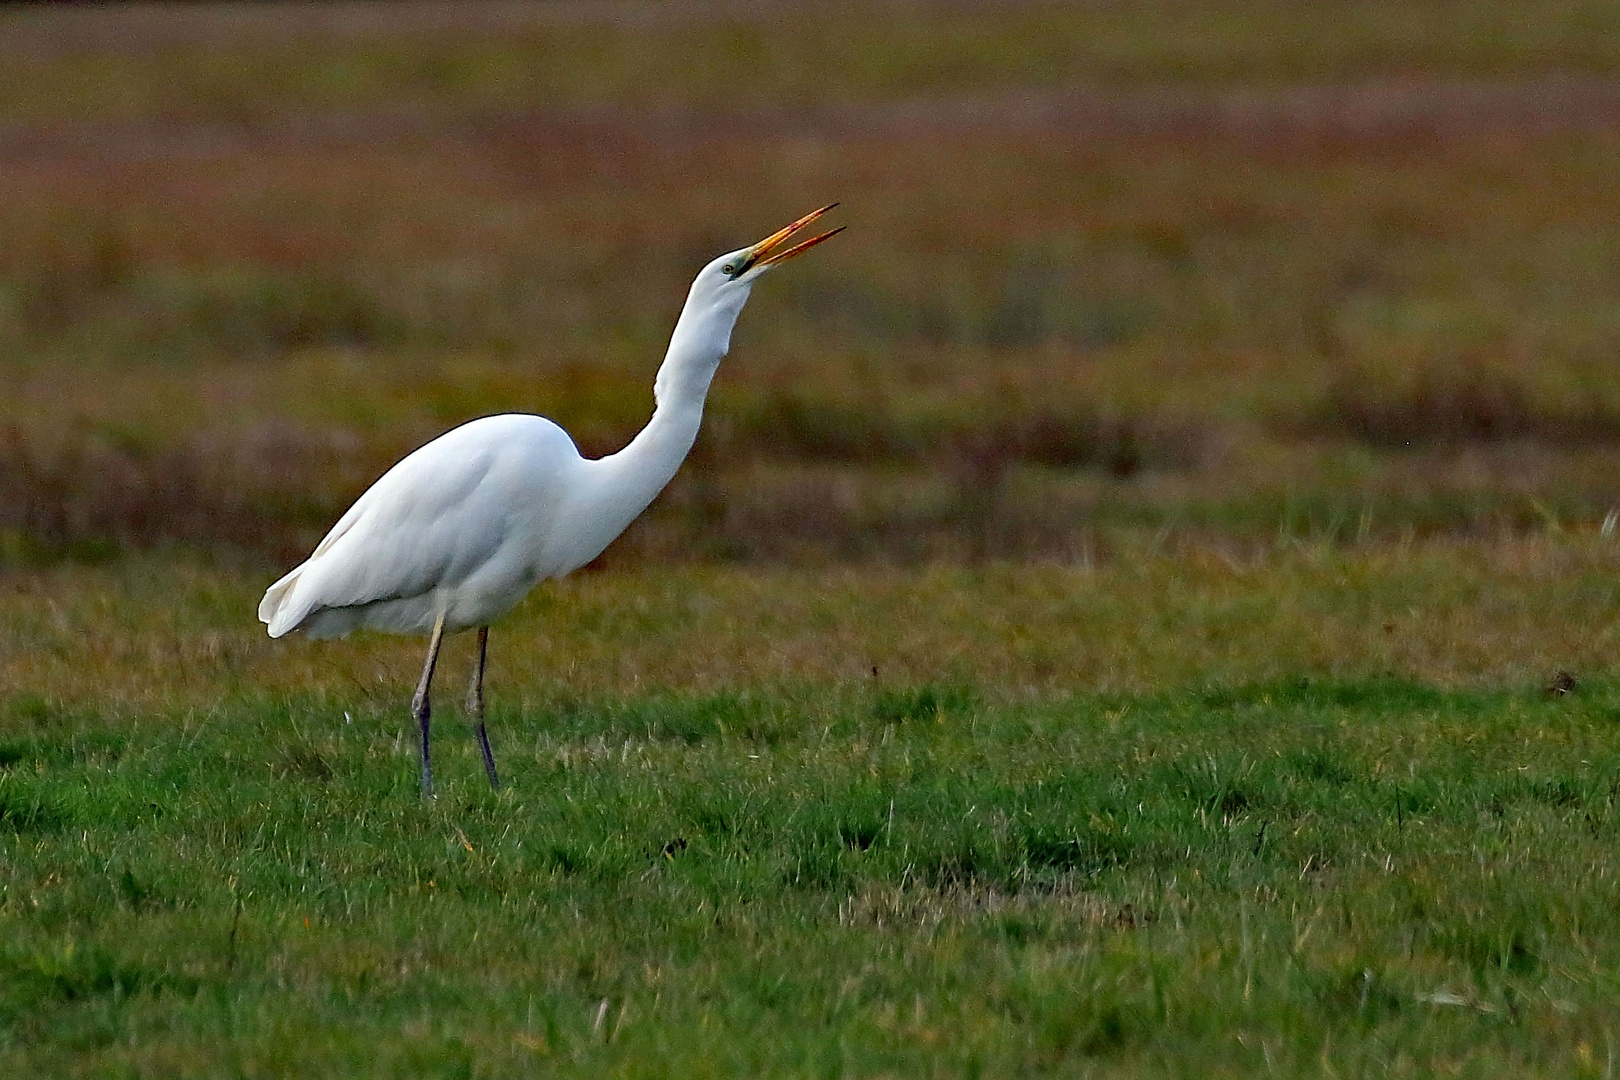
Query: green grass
x,y
1181,813
1369,876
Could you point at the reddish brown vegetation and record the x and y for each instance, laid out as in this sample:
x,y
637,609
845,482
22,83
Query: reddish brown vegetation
x,y
1158,291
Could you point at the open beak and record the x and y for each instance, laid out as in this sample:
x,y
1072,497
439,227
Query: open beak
x,y
761,253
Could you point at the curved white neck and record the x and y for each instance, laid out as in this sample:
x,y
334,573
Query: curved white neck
x,y
633,477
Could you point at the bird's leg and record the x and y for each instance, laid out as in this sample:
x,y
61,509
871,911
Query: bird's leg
x,y
421,709
475,707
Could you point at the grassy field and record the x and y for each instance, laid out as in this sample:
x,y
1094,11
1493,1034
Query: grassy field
x,y
1239,269
1145,601
1304,813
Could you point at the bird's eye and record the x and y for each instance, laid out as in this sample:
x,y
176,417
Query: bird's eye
x,y
730,269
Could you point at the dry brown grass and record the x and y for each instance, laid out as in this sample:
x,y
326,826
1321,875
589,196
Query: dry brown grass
x,y
245,63
1473,401
161,632
1221,289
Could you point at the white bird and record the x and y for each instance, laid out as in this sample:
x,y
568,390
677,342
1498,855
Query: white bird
x,y
460,530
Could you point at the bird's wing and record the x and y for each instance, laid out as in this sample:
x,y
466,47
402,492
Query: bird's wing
x,y
428,523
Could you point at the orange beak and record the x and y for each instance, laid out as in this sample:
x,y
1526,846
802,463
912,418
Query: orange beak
x,y
760,253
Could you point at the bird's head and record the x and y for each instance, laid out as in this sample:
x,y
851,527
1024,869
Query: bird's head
x,y
738,270
703,332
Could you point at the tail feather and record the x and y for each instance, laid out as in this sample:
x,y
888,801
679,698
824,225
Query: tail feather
x,y
275,611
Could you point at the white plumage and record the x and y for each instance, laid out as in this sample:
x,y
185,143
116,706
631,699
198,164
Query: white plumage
x,y
464,526
459,531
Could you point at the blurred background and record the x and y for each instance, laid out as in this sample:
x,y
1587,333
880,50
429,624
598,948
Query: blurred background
x,y
1213,272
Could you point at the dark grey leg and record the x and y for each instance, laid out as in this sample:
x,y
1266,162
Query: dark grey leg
x,y
475,707
421,709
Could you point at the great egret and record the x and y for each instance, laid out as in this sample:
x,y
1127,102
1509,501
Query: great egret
x,y
460,530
